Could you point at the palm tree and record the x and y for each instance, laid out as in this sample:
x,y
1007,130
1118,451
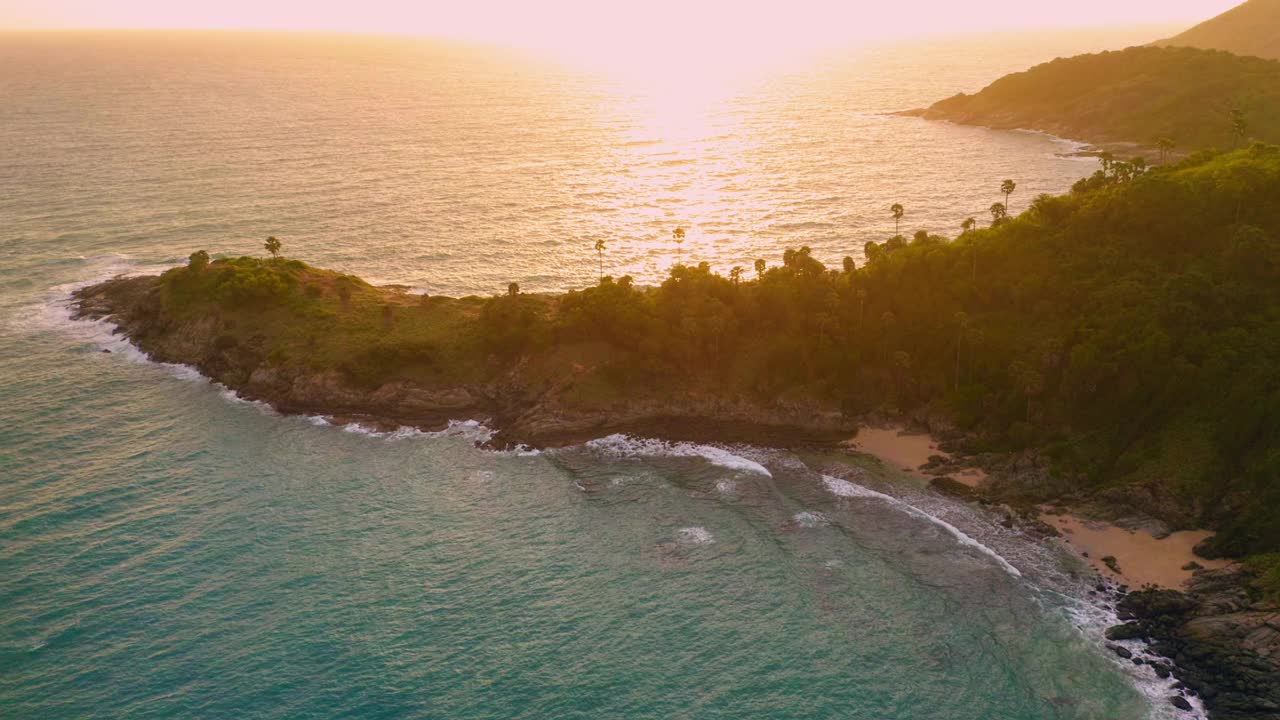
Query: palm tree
x,y
1007,187
760,266
513,289
273,246
1032,385
1106,159
898,212
849,265
678,236
967,225
600,248
998,213
1239,127
735,274
1166,145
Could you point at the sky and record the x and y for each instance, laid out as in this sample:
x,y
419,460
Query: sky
x,y
615,29
564,21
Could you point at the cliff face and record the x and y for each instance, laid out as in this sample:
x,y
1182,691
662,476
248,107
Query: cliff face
x,y
1252,28
524,406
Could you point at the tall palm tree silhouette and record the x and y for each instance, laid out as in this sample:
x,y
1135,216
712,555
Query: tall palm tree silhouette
x,y
600,248
1007,187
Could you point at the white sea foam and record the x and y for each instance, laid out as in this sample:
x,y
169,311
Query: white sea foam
x,y
844,488
808,519
101,333
619,445
1091,616
696,535
472,430
726,487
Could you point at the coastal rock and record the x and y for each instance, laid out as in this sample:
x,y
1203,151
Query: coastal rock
x,y
1126,631
954,488
1225,649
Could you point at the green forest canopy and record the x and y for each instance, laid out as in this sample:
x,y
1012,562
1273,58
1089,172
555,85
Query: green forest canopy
x,y
1130,330
1133,95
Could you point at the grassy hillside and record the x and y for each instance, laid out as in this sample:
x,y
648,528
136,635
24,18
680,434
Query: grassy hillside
x,y
1129,330
1136,95
1252,28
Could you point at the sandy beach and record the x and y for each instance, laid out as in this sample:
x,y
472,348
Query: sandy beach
x,y
1140,557
907,451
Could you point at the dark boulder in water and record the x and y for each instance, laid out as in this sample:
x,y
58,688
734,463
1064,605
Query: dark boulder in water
x,y
1121,651
1179,702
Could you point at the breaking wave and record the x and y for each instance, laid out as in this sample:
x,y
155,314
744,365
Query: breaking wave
x,y
619,445
844,488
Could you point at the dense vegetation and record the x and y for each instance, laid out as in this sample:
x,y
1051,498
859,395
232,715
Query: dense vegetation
x,y
1252,28
1129,330
1197,98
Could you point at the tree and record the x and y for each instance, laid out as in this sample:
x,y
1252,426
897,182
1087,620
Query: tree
x,y
198,261
849,265
962,323
998,214
600,248
1032,384
1106,159
1165,145
735,274
1239,127
1007,187
273,246
513,289
343,286
760,268
678,236
898,212
968,224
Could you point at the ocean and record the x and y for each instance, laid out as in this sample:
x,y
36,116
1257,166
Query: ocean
x,y
168,550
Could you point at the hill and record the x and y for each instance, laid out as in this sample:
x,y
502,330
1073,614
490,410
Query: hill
x,y
1132,96
1252,28
1125,334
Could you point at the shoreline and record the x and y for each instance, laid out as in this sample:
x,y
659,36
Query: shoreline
x,y
1141,559
524,420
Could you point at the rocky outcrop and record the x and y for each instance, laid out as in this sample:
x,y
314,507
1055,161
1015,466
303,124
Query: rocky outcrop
x,y
1224,646
521,413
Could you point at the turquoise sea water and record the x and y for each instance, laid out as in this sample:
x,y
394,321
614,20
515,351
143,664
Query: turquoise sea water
x,y
167,551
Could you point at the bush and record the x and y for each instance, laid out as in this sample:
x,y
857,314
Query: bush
x,y
1268,569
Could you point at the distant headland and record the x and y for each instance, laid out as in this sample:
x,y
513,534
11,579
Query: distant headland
x,y
1154,101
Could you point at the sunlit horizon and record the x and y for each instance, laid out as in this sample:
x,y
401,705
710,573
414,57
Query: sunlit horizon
x,y
659,39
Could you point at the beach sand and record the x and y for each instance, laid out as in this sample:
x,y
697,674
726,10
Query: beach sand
x,y
907,451
1142,558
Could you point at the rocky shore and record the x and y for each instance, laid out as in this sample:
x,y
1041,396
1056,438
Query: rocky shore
x,y
1220,645
521,410
1217,641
